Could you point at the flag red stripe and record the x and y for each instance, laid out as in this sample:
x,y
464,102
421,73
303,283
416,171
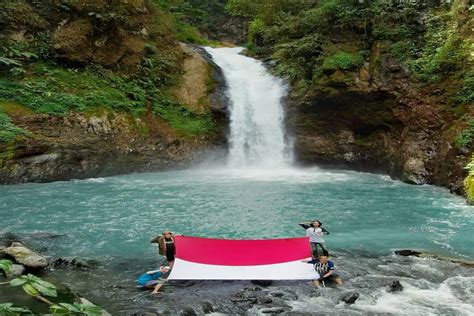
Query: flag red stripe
x,y
241,252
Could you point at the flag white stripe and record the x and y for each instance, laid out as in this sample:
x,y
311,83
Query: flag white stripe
x,y
293,270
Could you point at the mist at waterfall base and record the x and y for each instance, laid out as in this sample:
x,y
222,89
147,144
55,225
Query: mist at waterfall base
x,y
257,195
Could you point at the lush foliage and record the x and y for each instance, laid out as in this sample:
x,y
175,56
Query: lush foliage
x,y
32,76
342,61
7,309
34,286
466,138
5,265
193,17
469,182
9,131
340,33
76,309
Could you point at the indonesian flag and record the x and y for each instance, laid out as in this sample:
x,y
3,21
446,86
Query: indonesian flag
x,y
223,259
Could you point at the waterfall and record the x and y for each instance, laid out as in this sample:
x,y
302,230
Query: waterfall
x,y
257,138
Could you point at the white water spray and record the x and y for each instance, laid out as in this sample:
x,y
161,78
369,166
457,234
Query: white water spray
x,y
257,138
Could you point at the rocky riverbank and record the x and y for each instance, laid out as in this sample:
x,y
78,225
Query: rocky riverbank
x,y
372,282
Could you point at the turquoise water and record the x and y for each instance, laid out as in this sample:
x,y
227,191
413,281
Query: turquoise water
x,y
117,216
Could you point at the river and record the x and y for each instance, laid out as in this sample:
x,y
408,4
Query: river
x,y
256,193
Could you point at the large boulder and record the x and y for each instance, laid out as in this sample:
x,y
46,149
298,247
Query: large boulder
x,y
395,286
349,298
25,256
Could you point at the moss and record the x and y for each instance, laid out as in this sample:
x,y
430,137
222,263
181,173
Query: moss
x,y
469,182
7,152
342,61
186,122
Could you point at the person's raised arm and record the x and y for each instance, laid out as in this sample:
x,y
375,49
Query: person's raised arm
x,y
325,230
305,225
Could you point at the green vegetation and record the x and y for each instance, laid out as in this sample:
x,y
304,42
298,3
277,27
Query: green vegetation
x,y
5,265
32,75
469,182
194,17
9,131
38,288
8,309
342,61
338,35
466,138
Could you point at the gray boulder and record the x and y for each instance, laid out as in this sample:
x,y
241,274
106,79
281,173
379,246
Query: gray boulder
x,y
25,256
16,270
349,298
396,286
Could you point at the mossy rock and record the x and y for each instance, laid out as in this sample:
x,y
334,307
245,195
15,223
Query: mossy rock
x,y
469,188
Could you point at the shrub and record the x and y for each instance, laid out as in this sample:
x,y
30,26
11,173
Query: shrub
x,y
466,137
9,131
342,61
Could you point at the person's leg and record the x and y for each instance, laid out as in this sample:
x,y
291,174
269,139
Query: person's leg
x,y
324,250
338,281
317,283
314,249
157,288
170,258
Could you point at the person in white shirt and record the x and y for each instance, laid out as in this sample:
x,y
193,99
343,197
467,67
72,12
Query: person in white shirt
x,y
315,233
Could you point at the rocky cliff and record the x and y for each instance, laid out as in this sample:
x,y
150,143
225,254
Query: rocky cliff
x,y
376,86
96,88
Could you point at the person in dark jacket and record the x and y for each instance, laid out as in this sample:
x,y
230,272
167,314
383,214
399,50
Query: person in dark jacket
x,y
326,270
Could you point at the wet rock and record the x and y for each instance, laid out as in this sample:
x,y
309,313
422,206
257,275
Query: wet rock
x,y
25,256
74,263
44,235
188,311
16,270
349,298
407,252
8,238
207,307
262,282
396,286
265,300
273,310
277,294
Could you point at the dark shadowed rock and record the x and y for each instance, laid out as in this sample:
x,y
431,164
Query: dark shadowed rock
x,y
273,310
74,263
188,311
8,238
407,252
350,297
16,270
262,282
207,307
396,286
277,294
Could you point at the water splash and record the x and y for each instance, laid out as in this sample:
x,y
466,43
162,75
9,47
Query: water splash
x,y
257,138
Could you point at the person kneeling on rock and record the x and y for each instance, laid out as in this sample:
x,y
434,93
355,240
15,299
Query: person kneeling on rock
x,y
326,271
151,279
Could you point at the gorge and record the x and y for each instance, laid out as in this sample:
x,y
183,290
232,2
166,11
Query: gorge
x,y
112,130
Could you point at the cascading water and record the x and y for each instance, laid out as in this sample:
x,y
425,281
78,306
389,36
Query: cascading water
x,y
257,138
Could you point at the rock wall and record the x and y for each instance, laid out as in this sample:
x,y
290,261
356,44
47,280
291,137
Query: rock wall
x,y
377,119
105,142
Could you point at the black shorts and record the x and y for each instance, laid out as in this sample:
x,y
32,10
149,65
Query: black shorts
x,y
170,256
332,277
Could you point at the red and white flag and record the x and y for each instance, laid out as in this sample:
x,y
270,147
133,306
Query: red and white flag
x,y
225,259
